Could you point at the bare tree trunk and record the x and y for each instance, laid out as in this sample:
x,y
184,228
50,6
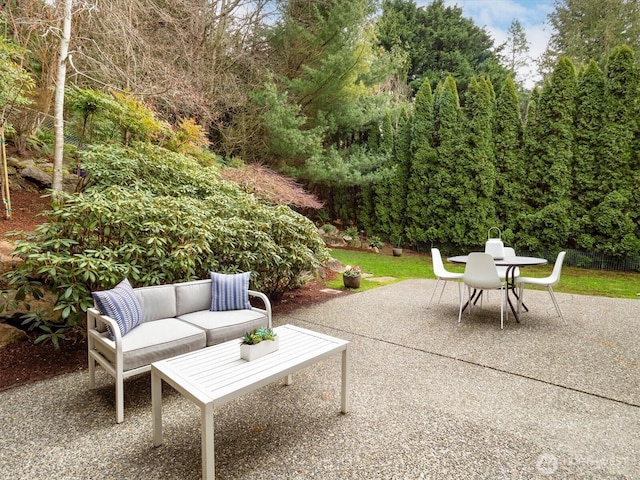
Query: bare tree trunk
x,y
59,98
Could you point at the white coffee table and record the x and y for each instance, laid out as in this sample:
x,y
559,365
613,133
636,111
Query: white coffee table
x,y
212,376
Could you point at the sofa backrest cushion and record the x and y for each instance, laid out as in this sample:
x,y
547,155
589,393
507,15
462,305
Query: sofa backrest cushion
x,y
192,296
157,302
230,291
121,304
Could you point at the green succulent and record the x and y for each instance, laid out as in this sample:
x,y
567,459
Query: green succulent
x,y
258,335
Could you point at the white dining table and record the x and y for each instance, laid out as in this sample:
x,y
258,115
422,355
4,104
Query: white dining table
x,y
511,263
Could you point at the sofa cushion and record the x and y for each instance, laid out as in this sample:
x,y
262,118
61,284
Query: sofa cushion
x,y
157,340
192,296
228,325
229,291
157,302
121,304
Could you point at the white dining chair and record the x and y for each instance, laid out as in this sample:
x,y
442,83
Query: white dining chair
x,y
481,273
548,282
502,271
442,274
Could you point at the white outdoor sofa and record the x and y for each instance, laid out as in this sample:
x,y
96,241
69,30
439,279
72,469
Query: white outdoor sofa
x,y
176,319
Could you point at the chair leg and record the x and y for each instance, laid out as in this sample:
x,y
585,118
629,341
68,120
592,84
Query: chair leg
x,y
502,302
555,303
461,302
433,292
444,285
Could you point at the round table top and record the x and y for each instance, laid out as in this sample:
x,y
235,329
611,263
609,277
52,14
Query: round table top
x,y
516,261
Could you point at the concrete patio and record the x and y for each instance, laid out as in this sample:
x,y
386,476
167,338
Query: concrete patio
x,y
431,399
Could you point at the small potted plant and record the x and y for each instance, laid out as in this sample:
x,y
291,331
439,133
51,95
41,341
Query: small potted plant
x,y
397,242
351,276
258,343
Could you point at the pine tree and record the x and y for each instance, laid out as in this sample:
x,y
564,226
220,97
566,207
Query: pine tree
x,y
585,30
516,48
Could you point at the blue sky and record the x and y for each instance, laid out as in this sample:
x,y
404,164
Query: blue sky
x,y
495,16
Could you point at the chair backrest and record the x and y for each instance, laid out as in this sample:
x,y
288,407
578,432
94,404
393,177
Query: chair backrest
x,y
438,266
557,268
509,252
481,271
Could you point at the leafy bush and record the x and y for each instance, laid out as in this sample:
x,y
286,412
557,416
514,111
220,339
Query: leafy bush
x,y
375,242
173,226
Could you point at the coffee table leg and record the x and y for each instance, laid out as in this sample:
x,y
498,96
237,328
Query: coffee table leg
x,y
156,407
344,394
208,454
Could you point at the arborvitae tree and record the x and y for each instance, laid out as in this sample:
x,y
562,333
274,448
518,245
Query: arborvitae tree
x,y
477,161
373,137
614,221
399,185
619,133
366,191
449,183
510,168
423,161
550,165
587,173
387,139
382,189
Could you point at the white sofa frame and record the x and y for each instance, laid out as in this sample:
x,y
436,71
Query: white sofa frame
x,y
98,338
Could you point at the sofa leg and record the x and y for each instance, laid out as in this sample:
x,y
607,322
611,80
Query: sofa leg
x,y
119,400
92,372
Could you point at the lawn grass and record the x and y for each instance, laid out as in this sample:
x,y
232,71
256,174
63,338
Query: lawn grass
x,y
572,280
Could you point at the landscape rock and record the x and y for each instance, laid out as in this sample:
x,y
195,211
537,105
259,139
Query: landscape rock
x,y
7,260
37,176
9,334
20,163
44,304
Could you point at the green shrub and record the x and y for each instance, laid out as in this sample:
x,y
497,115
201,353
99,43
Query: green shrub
x,y
170,220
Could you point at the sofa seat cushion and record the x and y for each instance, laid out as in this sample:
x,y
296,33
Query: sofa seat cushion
x,y
158,340
227,325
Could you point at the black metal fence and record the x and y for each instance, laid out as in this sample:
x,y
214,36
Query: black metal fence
x,y
596,260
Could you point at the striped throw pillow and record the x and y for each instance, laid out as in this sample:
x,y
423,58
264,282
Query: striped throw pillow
x,y
230,291
121,304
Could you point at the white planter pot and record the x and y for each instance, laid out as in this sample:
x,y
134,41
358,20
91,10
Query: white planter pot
x,y
252,352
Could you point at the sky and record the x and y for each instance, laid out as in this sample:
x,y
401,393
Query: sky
x,y
495,16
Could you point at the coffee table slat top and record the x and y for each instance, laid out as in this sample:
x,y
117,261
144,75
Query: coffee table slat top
x,y
217,374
